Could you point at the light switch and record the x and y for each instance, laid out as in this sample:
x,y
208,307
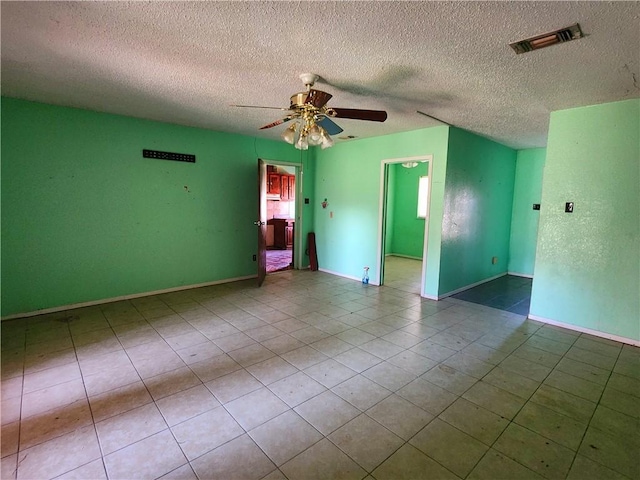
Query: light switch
x,y
568,207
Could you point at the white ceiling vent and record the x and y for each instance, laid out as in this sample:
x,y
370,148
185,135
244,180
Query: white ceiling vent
x,y
547,39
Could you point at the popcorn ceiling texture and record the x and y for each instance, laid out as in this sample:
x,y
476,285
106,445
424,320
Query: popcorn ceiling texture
x,y
186,62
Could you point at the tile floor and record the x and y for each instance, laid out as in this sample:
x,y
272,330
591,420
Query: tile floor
x,y
509,293
313,377
278,260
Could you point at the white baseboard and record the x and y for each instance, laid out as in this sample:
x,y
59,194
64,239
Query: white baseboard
x,y
467,287
122,297
350,277
516,274
595,333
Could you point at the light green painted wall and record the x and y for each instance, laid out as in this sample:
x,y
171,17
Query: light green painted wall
x,y
85,217
408,229
348,175
524,219
390,212
478,198
587,269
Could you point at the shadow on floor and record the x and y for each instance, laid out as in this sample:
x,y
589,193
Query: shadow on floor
x,y
509,293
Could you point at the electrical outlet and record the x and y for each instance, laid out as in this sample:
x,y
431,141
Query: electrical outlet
x,y
255,257
568,207
494,260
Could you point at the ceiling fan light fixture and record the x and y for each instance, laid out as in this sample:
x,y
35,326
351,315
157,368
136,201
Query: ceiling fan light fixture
x,y
410,164
289,135
326,140
315,135
303,142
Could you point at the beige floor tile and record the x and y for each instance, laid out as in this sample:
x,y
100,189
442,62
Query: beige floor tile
x,y
381,348
129,427
408,463
272,370
616,453
389,376
186,404
535,452
331,346
624,384
234,341
357,359
309,334
495,465
282,344
199,352
550,424
449,378
255,408
53,423
584,371
592,358
233,385
400,416
87,352
450,447
240,458
427,396
109,379
10,410
119,400
171,382
366,441
412,362
474,420
329,373
151,457
574,385
327,412
215,367
361,392
50,377
468,364
355,336
157,365
54,397
585,469
323,460
10,436
536,355
59,455
616,424
43,361
207,431
494,399
247,356
511,382
285,436
304,357
89,471
484,353
527,369
185,472
296,388
186,340
94,364
621,402
564,403
9,467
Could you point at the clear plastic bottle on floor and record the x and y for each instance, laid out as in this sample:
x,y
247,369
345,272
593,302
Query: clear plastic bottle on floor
x,y
365,276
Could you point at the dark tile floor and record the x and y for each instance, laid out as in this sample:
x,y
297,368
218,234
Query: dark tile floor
x,y
509,293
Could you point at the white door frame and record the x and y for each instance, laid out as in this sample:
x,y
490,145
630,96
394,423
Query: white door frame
x,y
297,233
383,193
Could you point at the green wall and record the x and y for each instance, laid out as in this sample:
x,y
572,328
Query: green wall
x,y
85,217
524,220
348,176
390,209
587,269
478,198
408,229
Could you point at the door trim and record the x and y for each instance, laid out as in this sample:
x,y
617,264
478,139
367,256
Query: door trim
x,y
382,219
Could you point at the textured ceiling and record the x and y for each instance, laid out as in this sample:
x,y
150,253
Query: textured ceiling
x,y
186,62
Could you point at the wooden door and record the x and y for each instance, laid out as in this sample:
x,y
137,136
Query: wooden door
x,y
261,223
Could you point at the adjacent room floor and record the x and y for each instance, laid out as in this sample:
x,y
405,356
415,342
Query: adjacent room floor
x,y
508,292
313,376
278,260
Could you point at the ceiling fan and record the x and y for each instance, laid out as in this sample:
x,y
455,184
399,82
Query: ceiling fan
x,y
312,117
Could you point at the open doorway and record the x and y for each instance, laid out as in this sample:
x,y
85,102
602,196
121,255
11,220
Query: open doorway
x,y
405,184
281,217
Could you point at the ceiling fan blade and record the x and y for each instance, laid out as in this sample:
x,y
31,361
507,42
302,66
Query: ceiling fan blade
x,y
318,98
330,126
276,123
258,106
356,114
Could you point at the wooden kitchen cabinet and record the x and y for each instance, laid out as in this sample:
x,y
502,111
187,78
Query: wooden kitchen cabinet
x,y
274,183
288,187
292,187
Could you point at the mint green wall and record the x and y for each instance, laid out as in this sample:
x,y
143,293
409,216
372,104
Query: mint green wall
x,y
408,229
587,269
478,197
85,217
524,219
348,175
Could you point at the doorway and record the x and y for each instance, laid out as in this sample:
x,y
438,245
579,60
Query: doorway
x,y
281,195
404,223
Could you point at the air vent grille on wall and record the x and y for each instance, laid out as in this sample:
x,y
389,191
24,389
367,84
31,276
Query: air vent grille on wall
x,y
547,39
178,157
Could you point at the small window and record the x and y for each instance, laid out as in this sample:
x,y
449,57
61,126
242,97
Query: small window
x,y
423,195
